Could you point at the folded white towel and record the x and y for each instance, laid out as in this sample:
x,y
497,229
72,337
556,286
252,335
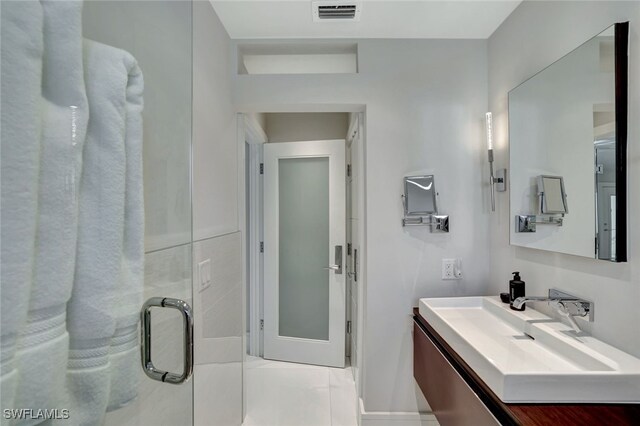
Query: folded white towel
x,y
71,232
21,66
87,387
42,364
124,353
125,371
43,342
103,288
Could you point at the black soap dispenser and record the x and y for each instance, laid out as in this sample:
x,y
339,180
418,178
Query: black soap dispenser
x,y
516,289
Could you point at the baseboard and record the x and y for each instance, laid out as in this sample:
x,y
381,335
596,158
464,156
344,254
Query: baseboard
x,y
394,418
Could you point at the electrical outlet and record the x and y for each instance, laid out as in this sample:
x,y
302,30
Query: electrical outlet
x,y
451,269
204,274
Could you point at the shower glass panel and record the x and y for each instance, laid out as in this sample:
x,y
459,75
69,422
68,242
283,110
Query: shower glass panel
x,y
159,35
96,210
304,247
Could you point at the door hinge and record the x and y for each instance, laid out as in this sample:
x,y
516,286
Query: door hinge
x,y
348,327
348,170
348,249
261,246
261,324
261,168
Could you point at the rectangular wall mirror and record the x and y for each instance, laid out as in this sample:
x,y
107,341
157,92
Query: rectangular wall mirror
x,y
570,120
419,196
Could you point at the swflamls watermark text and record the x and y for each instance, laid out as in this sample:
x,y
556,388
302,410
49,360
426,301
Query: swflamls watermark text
x,y
39,414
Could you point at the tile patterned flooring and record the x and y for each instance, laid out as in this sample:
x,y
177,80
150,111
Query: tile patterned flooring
x,y
288,394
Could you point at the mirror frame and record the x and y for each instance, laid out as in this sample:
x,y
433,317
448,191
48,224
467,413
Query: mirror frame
x,y
621,59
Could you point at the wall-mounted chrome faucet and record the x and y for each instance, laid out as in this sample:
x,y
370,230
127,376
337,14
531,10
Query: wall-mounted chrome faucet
x,y
565,304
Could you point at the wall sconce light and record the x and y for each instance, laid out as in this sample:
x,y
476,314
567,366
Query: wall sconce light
x,y
498,181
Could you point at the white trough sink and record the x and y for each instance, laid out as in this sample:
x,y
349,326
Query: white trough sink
x,y
529,357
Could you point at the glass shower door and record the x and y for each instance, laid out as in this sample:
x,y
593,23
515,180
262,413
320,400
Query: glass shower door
x,y
96,213
159,35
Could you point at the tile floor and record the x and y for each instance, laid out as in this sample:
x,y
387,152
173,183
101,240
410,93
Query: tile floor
x,y
288,394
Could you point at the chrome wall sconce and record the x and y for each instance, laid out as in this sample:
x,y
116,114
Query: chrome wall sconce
x,y
498,181
420,204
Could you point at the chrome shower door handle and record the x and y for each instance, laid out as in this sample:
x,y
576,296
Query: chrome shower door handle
x,y
145,347
337,266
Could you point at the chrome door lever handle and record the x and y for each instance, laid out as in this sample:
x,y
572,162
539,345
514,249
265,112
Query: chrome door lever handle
x,y
337,259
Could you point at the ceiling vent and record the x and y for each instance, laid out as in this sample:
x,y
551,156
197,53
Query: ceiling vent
x,y
324,11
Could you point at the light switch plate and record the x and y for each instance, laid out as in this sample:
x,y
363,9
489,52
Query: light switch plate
x,y
204,274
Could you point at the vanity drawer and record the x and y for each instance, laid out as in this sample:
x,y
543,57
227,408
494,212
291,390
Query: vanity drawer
x,y
452,400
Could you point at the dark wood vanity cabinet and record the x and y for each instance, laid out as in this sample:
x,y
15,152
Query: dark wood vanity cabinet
x,y
450,397
458,397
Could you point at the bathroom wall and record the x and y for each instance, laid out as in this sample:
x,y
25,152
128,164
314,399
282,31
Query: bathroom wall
x,y
535,35
293,127
425,102
218,324
215,149
218,308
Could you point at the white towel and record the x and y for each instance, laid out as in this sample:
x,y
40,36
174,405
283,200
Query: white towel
x,y
43,342
114,88
21,66
124,352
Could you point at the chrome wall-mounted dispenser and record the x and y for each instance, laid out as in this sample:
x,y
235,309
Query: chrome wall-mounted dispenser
x,y
552,202
420,204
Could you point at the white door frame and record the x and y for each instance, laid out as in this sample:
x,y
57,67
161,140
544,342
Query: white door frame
x,y
254,239
255,137
358,156
329,352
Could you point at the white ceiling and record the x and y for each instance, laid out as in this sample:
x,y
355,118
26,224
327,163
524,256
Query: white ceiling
x,y
286,19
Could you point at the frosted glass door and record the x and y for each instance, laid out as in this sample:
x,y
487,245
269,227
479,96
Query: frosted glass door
x,y
304,299
304,247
